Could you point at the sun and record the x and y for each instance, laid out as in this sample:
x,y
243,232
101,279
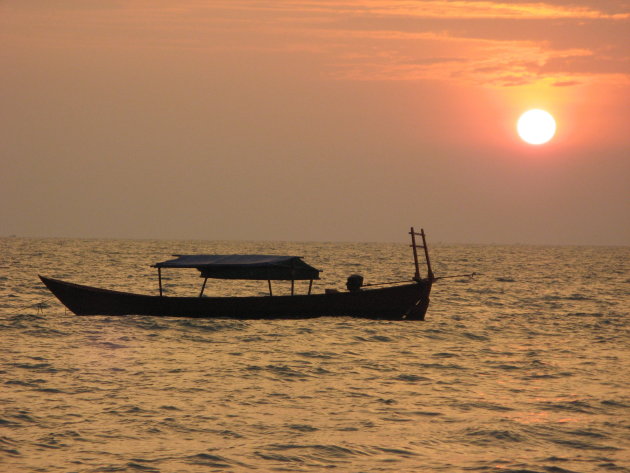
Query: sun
x,y
536,126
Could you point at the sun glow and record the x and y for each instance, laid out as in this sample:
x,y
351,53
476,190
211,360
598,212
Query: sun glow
x,y
536,127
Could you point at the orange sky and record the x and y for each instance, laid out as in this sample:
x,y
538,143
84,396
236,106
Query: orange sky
x,y
314,120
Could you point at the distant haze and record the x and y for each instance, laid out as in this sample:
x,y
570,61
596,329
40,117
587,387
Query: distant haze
x,y
286,120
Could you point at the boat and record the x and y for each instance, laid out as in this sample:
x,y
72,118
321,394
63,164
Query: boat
x,y
398,300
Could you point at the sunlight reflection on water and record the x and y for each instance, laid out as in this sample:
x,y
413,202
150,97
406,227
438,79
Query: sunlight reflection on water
x,y
523,368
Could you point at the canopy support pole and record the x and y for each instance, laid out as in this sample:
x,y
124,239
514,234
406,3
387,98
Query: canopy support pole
x,y
269,282
160,280
310,286
292,285
203,287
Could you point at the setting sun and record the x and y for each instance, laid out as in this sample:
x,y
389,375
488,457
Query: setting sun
x,y
536,126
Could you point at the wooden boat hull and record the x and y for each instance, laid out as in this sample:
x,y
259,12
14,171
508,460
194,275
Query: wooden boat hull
x,y
404,302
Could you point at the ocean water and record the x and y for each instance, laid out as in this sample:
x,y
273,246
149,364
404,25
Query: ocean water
x,y
524,368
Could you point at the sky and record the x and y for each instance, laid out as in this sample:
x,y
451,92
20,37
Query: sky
x,y
314,120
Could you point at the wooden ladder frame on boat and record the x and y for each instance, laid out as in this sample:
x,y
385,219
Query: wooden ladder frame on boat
x,y
415,247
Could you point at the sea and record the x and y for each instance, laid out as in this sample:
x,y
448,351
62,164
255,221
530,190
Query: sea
x,y
523,368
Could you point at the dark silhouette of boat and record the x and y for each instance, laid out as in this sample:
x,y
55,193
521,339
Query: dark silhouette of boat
x,y
401,300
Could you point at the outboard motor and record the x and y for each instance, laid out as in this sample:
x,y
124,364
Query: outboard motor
x,y
354,283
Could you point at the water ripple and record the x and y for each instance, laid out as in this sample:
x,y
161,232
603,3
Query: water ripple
x,y
523,369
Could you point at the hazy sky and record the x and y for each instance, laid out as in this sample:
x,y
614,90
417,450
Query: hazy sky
x,y
314,119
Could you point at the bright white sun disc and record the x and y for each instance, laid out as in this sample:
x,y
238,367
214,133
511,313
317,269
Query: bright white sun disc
x,y
536,126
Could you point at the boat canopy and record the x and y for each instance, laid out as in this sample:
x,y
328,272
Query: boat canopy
x,y
258,267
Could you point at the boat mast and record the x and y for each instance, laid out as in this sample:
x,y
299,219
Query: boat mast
x,y
426,255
